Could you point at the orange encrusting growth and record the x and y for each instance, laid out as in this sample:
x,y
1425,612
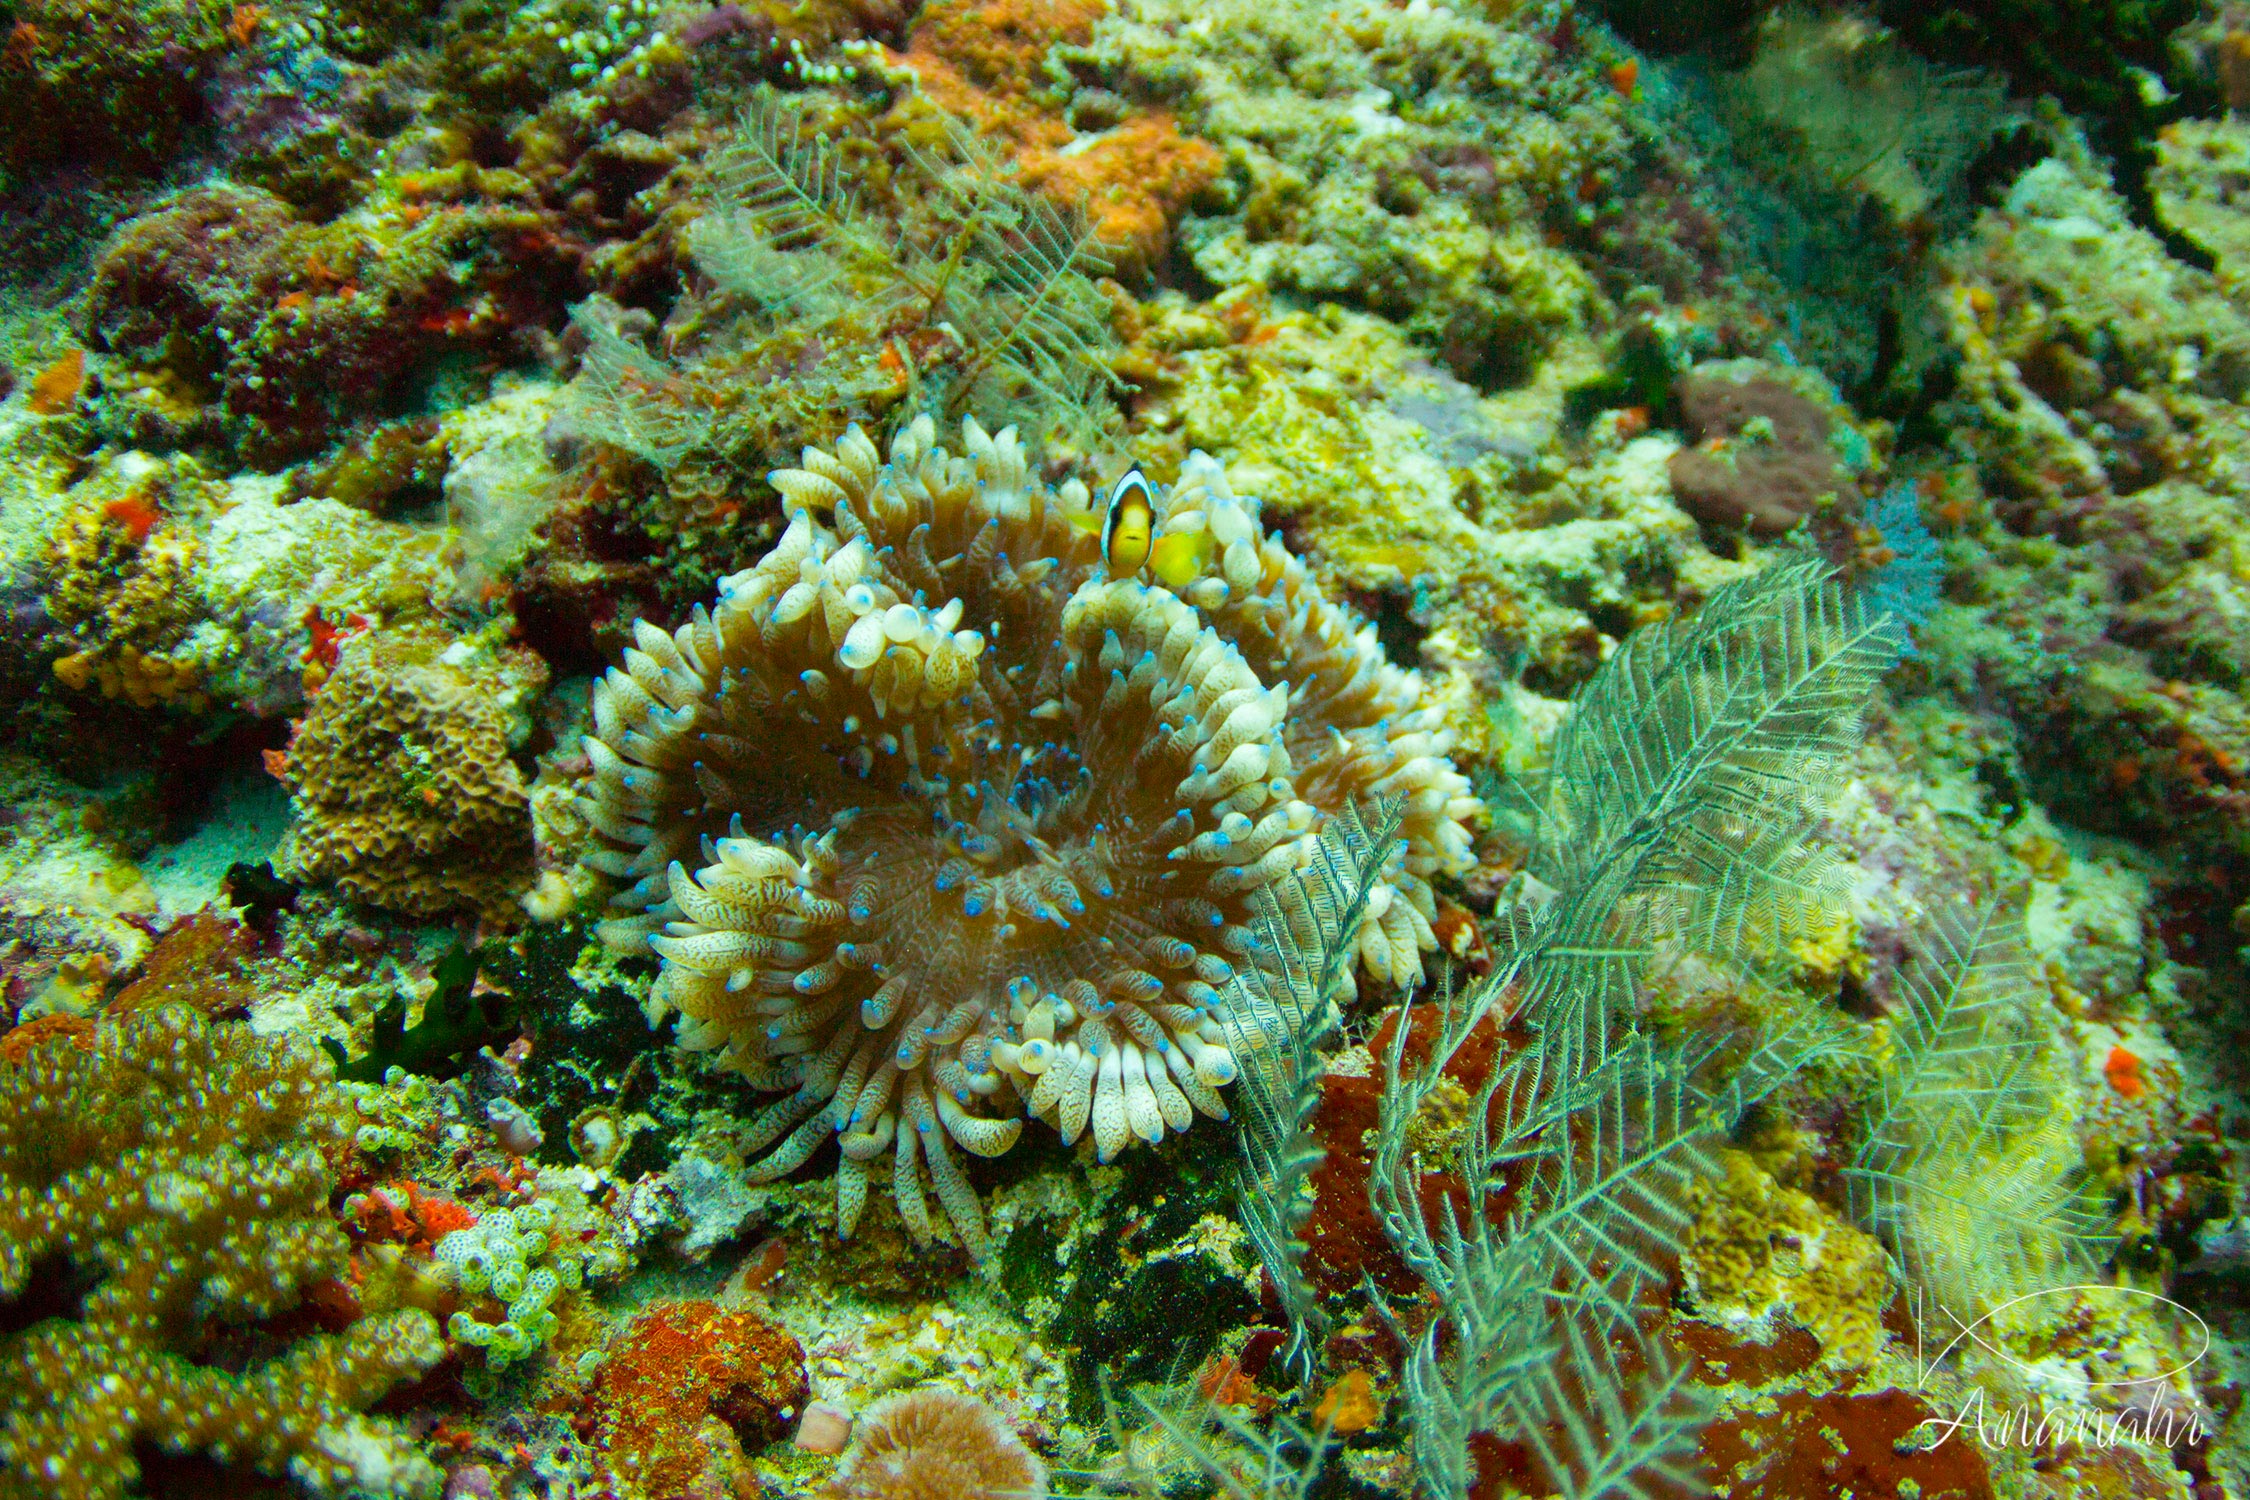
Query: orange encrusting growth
x,y
1350,1405
983,60
55,389
2123,1071
675,1367
136,514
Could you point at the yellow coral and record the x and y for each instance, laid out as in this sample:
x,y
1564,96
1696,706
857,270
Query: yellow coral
x,y
406,795
981,827
179,1166
121,578
1828,949
141,680
1759,1248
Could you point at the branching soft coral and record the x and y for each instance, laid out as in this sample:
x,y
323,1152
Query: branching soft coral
x,y
980,825
175,1168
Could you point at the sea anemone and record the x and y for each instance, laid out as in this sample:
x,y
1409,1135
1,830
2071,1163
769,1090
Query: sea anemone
x,y
934,1445
980,827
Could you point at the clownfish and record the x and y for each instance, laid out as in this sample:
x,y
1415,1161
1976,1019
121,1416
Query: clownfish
x,y
1130,527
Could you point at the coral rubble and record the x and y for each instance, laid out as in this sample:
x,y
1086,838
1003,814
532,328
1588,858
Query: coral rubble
x,y
1007,848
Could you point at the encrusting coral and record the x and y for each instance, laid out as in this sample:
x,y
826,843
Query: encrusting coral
x,y
178,1165
980,824
684,1387
405,792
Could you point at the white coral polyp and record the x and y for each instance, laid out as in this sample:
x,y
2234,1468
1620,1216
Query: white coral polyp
x,y
938,827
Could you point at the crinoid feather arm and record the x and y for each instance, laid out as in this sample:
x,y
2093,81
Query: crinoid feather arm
x,y
1673,819
1275,1014
626,396
1678,803
788,226
1241,1458
1535,1307
1964,1168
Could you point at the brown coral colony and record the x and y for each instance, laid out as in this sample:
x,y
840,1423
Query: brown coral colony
x,y
1760,460
982,829
402,768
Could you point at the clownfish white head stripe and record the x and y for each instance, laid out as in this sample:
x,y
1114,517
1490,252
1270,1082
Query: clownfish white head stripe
x,y
1130,526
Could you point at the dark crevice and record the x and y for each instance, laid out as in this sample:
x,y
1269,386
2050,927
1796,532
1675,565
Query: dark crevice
x,y
1391,612
56,1288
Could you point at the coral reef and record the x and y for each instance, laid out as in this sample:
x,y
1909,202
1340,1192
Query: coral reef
x,y
206,961
126,89
2097,56
151,584
286,332
2097,393
1791,170
120,573
178,1167
1809,1445
1466,524
981,898
1839,112
1132,176
1402,159
935,1445
1762,1253
1132,1275
406,794
971,295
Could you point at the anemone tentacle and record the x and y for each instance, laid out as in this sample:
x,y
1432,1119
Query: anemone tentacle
x,y
939,827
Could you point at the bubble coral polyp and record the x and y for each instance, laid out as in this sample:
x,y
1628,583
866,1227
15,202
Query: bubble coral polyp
x,y
979,827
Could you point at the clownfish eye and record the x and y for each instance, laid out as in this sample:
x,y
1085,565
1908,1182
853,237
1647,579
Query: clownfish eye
x,y
1130,527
